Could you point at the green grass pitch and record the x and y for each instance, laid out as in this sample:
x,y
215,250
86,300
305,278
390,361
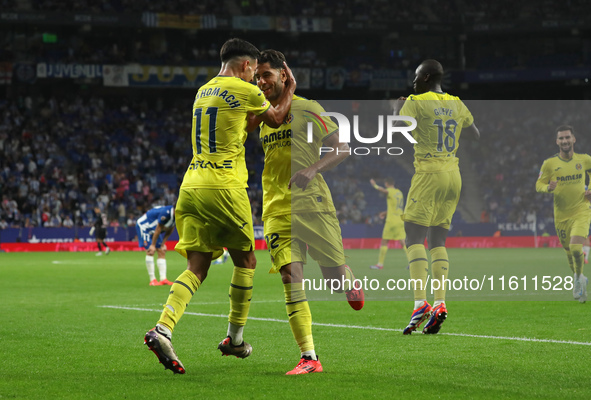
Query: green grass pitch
x,y
72,327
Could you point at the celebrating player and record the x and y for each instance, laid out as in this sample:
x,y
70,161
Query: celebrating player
x,y
298,211
435,186
213,209
394,226
563,175
153,229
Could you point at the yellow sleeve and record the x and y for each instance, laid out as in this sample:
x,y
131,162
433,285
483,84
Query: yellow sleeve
x,y
588,164
544,178
409,108
256,104
468,118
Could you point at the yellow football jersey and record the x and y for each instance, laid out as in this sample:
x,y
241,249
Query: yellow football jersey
x,y
440,118
219,132
395,202
288,151
569,195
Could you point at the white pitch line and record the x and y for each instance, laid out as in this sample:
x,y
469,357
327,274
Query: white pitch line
x,y
373,328
209,303
77,262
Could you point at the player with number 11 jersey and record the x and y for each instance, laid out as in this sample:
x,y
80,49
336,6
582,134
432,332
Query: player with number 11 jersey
x,y
218,134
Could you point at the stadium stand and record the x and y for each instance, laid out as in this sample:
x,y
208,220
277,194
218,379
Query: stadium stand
x,y
69,140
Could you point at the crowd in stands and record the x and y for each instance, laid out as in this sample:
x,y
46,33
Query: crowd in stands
x,y
181,47
60,158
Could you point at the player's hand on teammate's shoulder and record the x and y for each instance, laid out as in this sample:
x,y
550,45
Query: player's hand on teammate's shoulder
x,y
552,185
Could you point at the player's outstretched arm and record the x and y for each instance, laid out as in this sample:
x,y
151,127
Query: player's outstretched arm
x,y
377,187
339,152
275,116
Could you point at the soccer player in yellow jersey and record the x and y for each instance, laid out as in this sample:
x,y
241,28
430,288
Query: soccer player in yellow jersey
x,y
394,226
298,211
435,187
213,209
563,175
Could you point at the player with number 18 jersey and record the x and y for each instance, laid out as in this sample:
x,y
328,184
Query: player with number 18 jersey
x,y
440,118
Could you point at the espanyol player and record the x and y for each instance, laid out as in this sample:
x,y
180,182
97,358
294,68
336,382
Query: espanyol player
x,y
153,229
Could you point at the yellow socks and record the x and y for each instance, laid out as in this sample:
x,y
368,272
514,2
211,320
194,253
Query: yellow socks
x,y
570,260
300,318
419,269
382,257
181,292
440,271
240,295
577,257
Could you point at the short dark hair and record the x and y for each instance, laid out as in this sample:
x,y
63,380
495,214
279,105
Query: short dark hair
x,y
565,128
273,57
238,48
434,69
389,181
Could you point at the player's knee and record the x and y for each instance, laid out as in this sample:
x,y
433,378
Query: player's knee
x,y
249,261
436,242
415,234
252,261
414,239
285,277
576,250
291,273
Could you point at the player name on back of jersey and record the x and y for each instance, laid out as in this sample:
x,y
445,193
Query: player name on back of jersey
x,y
443,111
215,91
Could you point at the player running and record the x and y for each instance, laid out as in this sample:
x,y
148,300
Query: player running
x,y
563,175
